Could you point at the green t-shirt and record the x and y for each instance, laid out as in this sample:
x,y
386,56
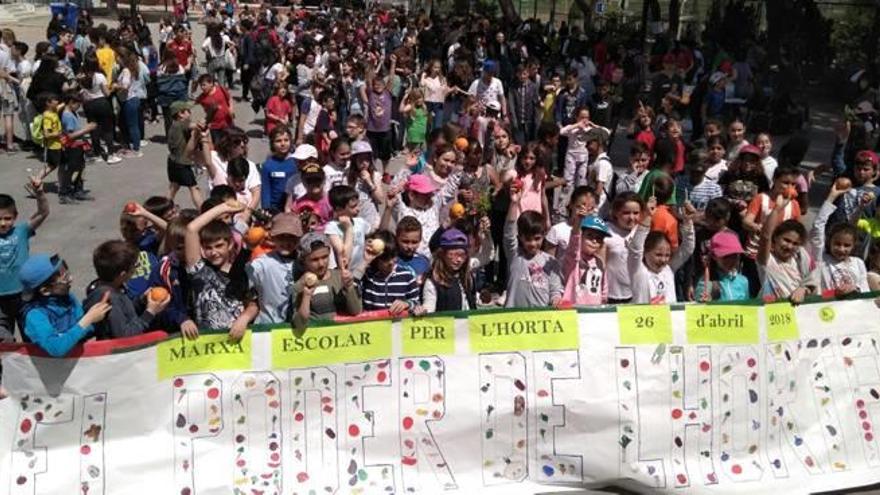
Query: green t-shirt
x,y
417,127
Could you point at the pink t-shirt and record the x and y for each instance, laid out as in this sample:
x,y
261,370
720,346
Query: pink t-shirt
x,y
532,194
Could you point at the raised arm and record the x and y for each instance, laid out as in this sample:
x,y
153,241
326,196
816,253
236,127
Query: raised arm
x,y
192,244
36,188
817,233
773,219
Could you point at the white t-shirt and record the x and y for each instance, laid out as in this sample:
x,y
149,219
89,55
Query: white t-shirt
x,y
494,91
252,181
615,262
273,71
361,229
333,176
602,171
714,172
769,163
209,47
558,235
99,84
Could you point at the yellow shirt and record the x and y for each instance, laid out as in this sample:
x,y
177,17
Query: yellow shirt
x,y
51,125
106,60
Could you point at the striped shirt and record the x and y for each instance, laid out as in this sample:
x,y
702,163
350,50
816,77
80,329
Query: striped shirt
x,y
380,292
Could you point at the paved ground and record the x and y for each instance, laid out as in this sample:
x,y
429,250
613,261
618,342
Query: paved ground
x,y
73,231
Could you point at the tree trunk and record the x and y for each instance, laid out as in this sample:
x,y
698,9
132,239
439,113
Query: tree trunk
x,y
586,7
509,11
674,18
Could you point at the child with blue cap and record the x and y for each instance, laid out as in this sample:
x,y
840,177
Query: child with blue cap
x,y
53,318
583,265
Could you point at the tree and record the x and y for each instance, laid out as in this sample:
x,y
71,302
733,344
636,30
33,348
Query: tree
x,y
509,11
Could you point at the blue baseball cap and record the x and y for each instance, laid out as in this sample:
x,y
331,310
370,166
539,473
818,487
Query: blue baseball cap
x,y
593,222
38,269
490,66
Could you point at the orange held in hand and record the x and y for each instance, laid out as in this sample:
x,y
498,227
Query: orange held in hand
x,y
461,144
456,211
790,192
158,294
255,235
842,183
131,207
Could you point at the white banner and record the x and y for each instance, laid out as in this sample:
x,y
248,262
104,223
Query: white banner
x,y
749,399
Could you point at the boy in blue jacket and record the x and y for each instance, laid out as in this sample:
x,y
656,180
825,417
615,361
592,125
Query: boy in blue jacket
x,y
53,318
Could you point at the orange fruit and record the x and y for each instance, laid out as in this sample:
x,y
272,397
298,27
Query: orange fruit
x,y
158,294
843,183
456,211
461,144
790,192
130,207
310,279
255,235
377,246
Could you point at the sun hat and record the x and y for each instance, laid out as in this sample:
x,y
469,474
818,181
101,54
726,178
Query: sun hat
x,y
725,243
287,223
420,184
361,146
312,242
179,106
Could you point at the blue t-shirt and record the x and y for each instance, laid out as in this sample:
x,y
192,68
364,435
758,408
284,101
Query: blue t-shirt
x,y
144,269
14,251
274,176
69,122
418,264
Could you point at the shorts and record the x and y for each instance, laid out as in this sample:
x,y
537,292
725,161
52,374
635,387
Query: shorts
x,y
182,175
380,141
54,157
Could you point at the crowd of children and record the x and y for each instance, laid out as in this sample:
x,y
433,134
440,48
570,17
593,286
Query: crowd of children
x,y
505,200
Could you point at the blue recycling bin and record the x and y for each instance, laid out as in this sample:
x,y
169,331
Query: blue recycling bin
x,y
70,11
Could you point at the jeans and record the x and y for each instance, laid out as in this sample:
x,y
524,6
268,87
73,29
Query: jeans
x,y
437,114
131,111
70,178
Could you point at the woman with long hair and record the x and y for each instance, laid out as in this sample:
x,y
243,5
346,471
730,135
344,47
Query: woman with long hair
x,y
132,89
95,93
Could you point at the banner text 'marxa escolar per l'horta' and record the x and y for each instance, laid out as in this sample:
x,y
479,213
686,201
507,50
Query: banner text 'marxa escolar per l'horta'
x,y
704,398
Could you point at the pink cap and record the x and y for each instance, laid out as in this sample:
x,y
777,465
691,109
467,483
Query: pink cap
x,y
867,155
750,148
725,243
421,184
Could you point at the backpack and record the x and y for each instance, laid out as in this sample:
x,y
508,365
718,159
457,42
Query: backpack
x,y
264,50
37,130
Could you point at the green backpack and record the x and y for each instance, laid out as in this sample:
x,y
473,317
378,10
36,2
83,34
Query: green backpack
x,y
37,130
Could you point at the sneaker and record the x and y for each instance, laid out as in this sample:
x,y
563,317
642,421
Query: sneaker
x,y
83,196
113,159
65,200
137,154
144,143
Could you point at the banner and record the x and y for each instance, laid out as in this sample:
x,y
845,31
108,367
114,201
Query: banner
x,y
706,398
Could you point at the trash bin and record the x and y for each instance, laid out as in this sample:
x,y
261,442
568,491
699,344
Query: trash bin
x,y
70,11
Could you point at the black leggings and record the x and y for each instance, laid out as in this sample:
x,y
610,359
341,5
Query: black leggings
x,y
100,111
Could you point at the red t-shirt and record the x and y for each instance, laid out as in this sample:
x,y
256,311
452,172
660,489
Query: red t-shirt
x,y
279,107
216,105
647,137
182,51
